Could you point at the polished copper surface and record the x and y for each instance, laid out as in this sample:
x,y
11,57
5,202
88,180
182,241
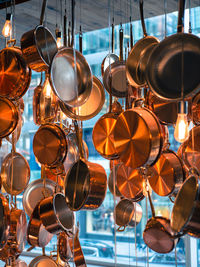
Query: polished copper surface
x,y
166,175
55,214
103,136
15,173
15,75
71,85
63,247
85,186
91,107
185,212
107,61
138,130
38,48
37,235
130,182
43,261
156,236
50,145
17,132
8,117
56,174
4,221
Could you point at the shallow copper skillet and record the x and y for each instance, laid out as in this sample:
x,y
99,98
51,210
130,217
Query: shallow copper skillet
x,y
139,54
15,75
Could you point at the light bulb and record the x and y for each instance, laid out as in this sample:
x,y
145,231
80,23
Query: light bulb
x,y
47,87
59,42
7,28
181,131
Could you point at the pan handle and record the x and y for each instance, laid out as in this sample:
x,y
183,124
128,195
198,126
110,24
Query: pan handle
x,y
121,38
181,9
113,37
80,41
65,29
79,139
142,18
121,228
131,34
44,4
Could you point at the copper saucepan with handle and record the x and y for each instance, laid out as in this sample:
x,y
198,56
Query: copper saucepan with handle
x,y
38,45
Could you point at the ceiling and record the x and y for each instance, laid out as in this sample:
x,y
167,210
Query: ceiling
x,y
92,14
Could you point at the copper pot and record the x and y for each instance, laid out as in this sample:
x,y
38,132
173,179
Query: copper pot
x,y
55,214
50,145
137,130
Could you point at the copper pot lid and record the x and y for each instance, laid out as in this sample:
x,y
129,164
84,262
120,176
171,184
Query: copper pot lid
x,y
129,182
35,192
166,173
15,173
50,145
103,136
8,117
135,131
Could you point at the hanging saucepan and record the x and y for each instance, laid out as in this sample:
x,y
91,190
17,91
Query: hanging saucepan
x,y
137,130
8,117
55,214
17,235
85,182
15,173
138,57
115,74
127,213
43,261
112,182
103,132
174,64
4,221
15,75
91,107
50,145
158,234
185,213
71,77
63,247
38,45
110,58
167,174
45,103
37,235
130,183
34,193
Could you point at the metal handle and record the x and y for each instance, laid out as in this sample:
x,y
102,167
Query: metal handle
x,y
73,18
142,18
11,41
65,30
151,204
110,93
80,41
121,228
79,139
131,34
121,38
69,34
113,37
181,11
44,4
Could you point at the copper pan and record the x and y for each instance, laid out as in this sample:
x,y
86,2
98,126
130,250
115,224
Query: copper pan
x,y
37,235
137,130
55,214
15,75
103,133
115,74
8,117
127,213
91,107
138,57
167,174
130,183
15,173
4,221
38,45
17,235
85,182
17,131
50,145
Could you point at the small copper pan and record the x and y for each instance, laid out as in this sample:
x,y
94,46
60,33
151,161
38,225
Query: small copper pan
x,y
50,145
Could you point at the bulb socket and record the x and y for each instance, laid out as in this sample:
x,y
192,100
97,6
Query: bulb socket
x,y
9,16
183,107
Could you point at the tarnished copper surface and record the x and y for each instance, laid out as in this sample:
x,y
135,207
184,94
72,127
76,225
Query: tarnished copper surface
x,y
15,173
130,182
185,212
156,236
37,235
167,174
91,107
138,130
4,221
17,235
63,247
15,75
50,145
8,117
85,185
103,136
